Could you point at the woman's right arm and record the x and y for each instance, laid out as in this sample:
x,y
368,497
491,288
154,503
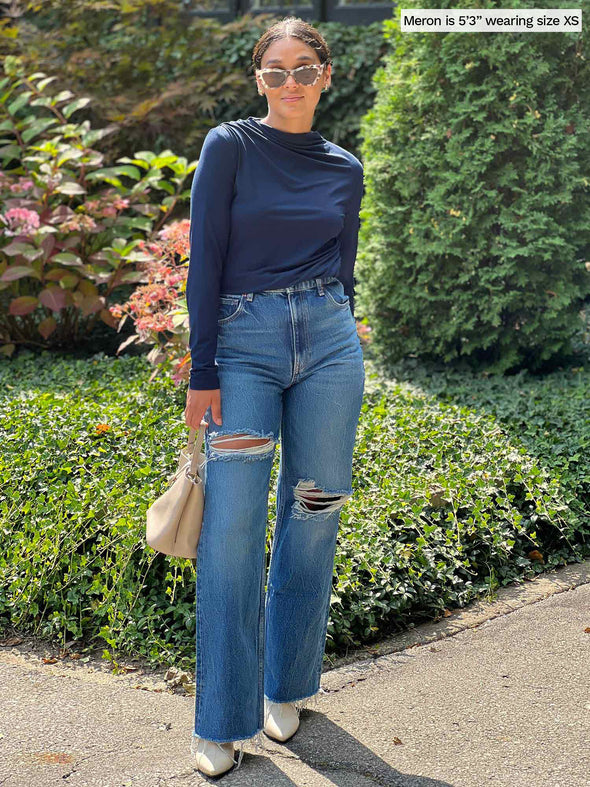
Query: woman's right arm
x,y
210,220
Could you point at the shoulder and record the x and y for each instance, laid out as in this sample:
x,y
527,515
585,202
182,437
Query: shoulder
x,y
218,158
230,131
355,165
219,149
356,169
230,136
220,136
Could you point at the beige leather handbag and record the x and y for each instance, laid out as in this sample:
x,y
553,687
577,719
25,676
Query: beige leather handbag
x,y
174,519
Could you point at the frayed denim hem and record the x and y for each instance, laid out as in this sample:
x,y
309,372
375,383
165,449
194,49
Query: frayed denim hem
x,y
307,702
311,701
256,740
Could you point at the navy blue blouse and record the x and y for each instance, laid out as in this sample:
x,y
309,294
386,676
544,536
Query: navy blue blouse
x,y
269,208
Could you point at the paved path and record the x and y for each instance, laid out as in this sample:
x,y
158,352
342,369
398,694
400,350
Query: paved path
x,y
497,694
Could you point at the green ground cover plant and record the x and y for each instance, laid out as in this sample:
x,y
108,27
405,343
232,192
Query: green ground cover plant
x,y
450,502
549,414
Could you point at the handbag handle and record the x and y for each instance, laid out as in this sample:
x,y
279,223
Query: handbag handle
x,y
192,434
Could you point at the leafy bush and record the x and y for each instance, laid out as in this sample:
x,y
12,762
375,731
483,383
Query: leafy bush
x,y
165,76
146,65
447,507
476,234
73,231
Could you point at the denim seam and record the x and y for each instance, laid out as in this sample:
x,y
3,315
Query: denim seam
x,y
320,662
198,673
282,491
295,370
261,639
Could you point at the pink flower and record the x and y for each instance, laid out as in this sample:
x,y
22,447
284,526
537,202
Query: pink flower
x,y
120,204
21,185
175,238
154,322
20,221
78,222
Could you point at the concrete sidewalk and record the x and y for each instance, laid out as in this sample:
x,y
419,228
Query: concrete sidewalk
x,y
495,694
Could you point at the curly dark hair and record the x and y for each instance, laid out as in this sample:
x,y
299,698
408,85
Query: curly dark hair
x,y
291,27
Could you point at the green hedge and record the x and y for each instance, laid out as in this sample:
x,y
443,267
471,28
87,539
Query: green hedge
x,y
448,505
476,235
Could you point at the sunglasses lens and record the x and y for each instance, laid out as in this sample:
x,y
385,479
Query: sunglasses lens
x,y
275,78
306,75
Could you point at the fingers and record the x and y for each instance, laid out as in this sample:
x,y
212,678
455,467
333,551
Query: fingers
x,y
197,404
193,416
190,420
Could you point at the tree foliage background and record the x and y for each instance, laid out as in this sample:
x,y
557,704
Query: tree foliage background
x,y
475,242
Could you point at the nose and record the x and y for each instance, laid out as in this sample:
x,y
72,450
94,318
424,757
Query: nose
x,y
292,78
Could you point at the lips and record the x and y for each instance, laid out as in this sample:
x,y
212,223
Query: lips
x,y
292,99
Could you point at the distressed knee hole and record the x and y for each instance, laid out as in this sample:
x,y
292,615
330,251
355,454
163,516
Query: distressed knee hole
x,y
310,499
319,502
229,441
242,443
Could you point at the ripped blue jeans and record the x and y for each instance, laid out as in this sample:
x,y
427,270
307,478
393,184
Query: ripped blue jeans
x,y
290,363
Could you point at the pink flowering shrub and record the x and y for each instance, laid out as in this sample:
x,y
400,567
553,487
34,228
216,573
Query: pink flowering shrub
x,y
158,307
73,232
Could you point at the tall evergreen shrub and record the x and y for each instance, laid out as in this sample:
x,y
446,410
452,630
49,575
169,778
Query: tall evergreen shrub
x,y
475,239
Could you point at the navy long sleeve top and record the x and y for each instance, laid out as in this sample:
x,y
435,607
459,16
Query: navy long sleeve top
x,y
269,208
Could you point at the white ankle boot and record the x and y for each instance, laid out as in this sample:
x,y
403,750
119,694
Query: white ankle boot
x,y
214,758
281,719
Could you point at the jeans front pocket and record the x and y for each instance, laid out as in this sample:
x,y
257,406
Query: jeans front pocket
x,y
335,292
230,306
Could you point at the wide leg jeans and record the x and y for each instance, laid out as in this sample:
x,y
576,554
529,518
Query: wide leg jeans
x,y
290,366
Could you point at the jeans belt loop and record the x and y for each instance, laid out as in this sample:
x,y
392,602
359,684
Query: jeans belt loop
x,y
320,286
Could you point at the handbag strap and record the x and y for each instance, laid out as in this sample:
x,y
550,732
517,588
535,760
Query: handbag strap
x,y
194,451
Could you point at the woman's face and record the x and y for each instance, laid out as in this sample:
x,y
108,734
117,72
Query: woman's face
x,y
291,53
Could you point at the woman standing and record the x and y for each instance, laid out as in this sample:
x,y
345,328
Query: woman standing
x,y
274,350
